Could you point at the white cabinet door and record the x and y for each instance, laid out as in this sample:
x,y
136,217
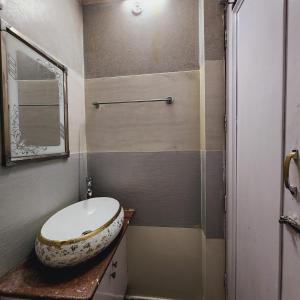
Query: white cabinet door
x,y
119,267
260,61
114,283
291,239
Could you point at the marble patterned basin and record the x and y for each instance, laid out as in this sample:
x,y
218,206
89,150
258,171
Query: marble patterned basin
x,y
79,232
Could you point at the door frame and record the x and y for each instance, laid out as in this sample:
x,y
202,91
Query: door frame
x,y
231,144
230,154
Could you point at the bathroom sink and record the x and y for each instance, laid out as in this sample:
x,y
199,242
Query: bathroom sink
x,y
79,232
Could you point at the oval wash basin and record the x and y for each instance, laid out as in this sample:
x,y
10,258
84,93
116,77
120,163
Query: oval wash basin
x,y
79,232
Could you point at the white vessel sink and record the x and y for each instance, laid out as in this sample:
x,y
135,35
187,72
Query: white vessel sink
x,y
79,232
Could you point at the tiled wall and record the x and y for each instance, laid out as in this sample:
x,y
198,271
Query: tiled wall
x,y
147,155
212,107
163,187
33,191
144,127
212,150
132,133
214,146
162,39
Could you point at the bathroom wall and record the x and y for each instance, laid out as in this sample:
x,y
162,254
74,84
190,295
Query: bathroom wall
x,y
148,155
32,191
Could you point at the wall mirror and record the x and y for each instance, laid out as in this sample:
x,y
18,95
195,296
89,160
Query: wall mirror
x,y
34,101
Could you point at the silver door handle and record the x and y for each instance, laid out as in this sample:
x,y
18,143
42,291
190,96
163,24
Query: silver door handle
x,y
287,162
290,222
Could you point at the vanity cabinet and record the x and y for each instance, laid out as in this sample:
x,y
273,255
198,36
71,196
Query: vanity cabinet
x,y
114,282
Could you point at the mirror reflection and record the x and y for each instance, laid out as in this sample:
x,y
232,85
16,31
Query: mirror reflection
x,y
36,102
38,94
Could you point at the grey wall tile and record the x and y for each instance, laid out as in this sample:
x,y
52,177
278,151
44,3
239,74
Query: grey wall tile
x,y
213,30
30,193
203,189
163,187
215,104
215,191
144,126
164,38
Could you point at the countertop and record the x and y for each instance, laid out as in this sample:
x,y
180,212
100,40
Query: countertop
x,y
33,280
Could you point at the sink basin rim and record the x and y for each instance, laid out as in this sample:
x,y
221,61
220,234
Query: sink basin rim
x,y
58,243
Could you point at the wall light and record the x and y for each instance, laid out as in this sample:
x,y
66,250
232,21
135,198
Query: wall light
x,y
137,8
147,7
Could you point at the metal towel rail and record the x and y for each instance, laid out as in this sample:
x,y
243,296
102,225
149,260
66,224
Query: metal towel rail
x,y
168,100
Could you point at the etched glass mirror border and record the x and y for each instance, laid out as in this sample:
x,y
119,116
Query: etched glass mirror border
x,y
34,101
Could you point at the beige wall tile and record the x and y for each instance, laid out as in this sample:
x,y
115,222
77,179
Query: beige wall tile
x,y
145,126
164,262
203,265
215,269
215,104
202,109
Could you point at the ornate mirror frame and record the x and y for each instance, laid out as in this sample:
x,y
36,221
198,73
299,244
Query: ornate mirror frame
x,y
7,159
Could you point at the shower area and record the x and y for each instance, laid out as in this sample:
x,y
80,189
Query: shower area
x,y
155,106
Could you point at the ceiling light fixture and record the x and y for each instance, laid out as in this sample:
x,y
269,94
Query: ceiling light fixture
x,y
137,8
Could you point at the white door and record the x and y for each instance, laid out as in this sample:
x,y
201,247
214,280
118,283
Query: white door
x,y
259,106
291,204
